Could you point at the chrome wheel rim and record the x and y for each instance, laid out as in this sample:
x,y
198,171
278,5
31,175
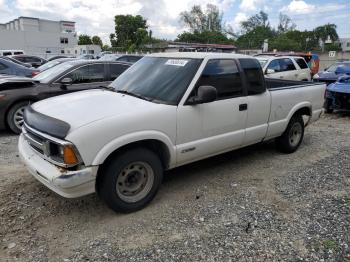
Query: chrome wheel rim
x,y
295,134
135,181
18,118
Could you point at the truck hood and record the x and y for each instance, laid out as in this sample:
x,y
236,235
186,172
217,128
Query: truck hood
x,y
82,108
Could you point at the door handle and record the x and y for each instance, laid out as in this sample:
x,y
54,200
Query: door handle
x,y
243,107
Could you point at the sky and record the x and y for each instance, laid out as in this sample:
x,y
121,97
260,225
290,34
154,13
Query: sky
x,y
96,17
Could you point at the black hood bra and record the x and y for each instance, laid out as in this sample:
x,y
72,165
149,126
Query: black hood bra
x,y
46,124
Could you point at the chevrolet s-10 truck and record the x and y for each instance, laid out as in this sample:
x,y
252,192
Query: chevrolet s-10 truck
x,y
165,111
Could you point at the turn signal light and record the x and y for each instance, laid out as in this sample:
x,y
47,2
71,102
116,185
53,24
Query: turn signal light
x,y
69,156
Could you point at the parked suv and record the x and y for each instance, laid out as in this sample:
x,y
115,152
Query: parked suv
x,y
17,93
285,67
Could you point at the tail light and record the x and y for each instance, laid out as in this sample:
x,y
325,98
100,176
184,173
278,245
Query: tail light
x,y
34,73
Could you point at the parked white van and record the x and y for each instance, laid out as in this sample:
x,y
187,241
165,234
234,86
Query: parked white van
x,y
11,52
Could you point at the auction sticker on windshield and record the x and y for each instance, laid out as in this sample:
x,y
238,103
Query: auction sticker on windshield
x,y
176,62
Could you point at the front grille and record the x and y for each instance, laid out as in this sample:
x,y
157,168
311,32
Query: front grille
x,y
342,101
38,143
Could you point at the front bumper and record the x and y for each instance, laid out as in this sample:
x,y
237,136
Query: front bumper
x,y
69,184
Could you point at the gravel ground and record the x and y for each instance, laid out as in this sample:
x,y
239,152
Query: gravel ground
x,y
254,204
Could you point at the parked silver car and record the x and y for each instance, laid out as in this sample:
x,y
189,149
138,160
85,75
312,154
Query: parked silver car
x,y
10,68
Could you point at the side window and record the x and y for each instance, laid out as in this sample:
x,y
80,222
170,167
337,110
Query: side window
x,y
123,59
30,59
87,74
275,65
20,58
287,64
224,75
116,70
301,63
254,76
3,66
134,59
6,53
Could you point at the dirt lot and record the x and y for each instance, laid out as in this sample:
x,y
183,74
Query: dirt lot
x,y
254,204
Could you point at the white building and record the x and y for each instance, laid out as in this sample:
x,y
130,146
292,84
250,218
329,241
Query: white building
x,y
83,50
39,37
345,44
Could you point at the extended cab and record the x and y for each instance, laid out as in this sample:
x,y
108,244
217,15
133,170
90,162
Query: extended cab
x,y
165,111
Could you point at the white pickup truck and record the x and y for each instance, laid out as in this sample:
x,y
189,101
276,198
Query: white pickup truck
x,y
165,111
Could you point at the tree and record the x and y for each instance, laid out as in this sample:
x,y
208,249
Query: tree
x,y
284,43
255,37
285,24
200,21
84,40
325,31
259,20
96,40
127,31
206,37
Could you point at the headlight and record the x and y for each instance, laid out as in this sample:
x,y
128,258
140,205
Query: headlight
x,y
64,154
316,76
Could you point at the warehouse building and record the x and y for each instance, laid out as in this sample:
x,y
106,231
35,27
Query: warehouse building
x,y
39,37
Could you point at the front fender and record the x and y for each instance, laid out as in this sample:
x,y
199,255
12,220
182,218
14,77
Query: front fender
x,y
135,137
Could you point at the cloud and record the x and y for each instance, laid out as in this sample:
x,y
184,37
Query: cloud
x,y
251,5
299,7
236,23
97,17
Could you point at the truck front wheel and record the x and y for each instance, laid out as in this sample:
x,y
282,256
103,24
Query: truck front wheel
x,y
292,137
131,180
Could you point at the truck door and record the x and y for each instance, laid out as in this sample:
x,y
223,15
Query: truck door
x,y
259,101
215,127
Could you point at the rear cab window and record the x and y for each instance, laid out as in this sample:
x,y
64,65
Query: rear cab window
x,y
254,76
223,74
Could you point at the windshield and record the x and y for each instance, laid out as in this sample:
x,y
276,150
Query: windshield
x,y
48,65
51,73
334,67
161,79
262,61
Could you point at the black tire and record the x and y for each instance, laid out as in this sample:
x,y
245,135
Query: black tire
x,y
13,113
292,137
118,169
327,106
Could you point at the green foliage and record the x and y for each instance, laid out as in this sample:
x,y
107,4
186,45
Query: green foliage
x,y
283,43
206,37
106,48
332,47
96,40
130,31
201,21
84,40
260,20
322,32
285,24
254,39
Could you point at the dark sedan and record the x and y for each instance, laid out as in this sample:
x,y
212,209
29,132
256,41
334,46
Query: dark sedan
x,y
7,67
34,61
16,93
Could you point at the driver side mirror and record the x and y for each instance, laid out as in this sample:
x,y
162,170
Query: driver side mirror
x,y
206,94
66,82
270,71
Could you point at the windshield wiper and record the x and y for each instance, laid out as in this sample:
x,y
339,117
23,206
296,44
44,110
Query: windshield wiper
x,y
134,95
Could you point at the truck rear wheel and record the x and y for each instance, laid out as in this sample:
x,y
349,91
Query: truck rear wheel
x,y
131,180
292,137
